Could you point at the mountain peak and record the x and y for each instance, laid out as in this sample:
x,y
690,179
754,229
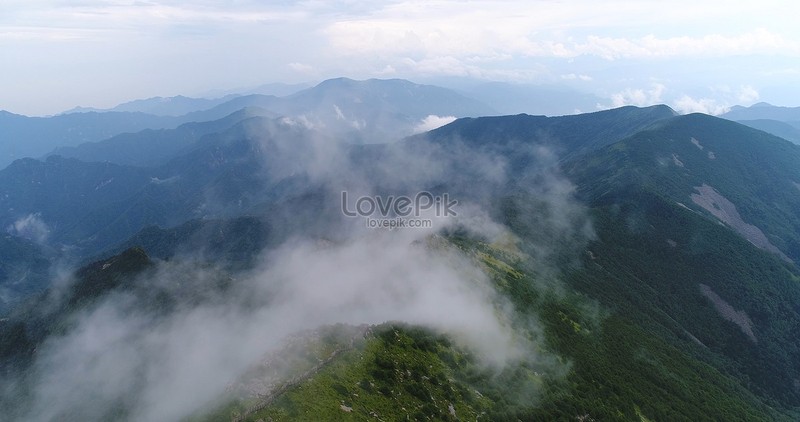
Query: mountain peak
x,y
763,110
336,82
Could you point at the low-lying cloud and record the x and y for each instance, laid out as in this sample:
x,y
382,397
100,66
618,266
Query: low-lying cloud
x,y
119,355
30,227
123,359
432,122
718,100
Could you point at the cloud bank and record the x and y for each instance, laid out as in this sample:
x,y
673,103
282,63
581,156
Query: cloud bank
x,y
192,45
432,122
119,355
170,344
30,227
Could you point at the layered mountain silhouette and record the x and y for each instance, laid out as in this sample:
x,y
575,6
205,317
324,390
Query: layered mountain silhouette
x,y
779,121
153,147
359,111
161,106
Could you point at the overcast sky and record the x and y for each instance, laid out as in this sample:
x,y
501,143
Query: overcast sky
x,y
693,55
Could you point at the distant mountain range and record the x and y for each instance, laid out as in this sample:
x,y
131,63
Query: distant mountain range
x,y
362,111
368,111
779,121
180,105
763,111
160,106
25,137
153,147
359,111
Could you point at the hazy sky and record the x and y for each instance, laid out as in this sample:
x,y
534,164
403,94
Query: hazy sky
x,y
692,55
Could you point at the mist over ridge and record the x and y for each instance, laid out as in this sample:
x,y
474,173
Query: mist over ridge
x,y
145,364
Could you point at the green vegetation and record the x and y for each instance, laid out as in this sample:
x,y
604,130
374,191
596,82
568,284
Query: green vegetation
x,y
400,372
632,361
757,172
24,270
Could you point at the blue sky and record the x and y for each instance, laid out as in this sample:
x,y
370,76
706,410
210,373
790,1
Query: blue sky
x,y
693,55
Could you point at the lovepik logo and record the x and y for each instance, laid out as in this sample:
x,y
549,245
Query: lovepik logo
x,y
401,206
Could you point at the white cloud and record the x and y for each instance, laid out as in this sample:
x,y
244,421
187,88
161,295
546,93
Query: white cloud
x,y
686,104
387,70
572,77
639,97
445,65
748,94
339,114
301,121
193,44
301,67
760,41
432,122
169,367
721,102
721,98
30,227
565,30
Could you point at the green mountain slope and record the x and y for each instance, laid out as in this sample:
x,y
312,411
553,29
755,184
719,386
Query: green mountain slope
x,y
570,136
781,129
702,288
745,178
698,272
631,362
24,269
